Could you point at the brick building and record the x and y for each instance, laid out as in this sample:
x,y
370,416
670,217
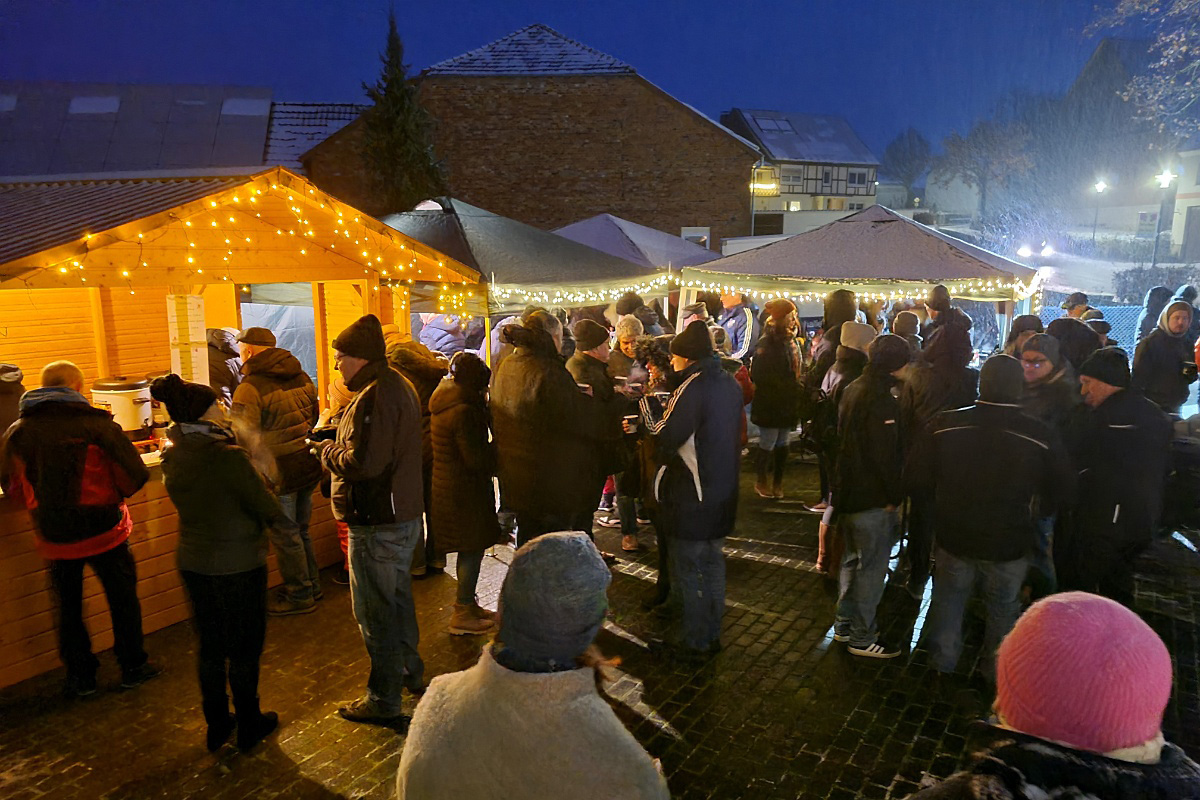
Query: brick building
x,y
543,129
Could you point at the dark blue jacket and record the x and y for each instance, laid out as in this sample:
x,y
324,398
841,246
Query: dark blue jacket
x,y
742,326
699,442
444,334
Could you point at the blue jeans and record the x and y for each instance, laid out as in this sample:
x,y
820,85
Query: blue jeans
x,y
698,583
381,592
954,579
293,548
868,537
770,438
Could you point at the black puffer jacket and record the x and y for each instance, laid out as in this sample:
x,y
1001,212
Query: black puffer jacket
x,y
1055,401
869,461
274,410
1152,305
464,461
1161,365
776,384
547,431
941,380
224,363
1020,767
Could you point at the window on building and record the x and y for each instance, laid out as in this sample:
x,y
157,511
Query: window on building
x,y
827,177
854,206
795,205
857,177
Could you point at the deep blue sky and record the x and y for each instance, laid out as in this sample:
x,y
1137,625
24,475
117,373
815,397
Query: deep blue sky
x,y
936,65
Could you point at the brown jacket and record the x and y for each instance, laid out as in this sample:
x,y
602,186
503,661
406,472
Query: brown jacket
x,y
376,457
274,410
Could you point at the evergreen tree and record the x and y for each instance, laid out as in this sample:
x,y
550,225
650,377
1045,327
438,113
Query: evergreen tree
x,y
398,136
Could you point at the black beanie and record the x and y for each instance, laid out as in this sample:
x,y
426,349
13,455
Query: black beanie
x,y
839,307
889,353
629,303
363,339
185,402
589,334
470,372
939,299
1001,380
1108,365
695,343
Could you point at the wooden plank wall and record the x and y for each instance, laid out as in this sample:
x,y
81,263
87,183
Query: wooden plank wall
x,y
28,639
136,326
38,326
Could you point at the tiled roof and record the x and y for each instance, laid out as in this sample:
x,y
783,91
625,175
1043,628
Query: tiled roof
x,y
787,136
60,128
535,50
296,128
36,216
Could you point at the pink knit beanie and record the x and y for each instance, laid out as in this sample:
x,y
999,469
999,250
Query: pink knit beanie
x,y
1085,671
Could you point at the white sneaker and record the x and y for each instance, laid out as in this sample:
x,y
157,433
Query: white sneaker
x,y
875,650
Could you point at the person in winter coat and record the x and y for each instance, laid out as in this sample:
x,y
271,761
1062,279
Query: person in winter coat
x,y
1187,293
632,303
943,315
694,311
1023,327
941,380
1081,687
735,368
1095,320
740,321
984,522
697,488
376,490
1155,301
225,509
424,370
1122,453
548,434
11,390
867,494
443,333
907,326
72,468
1076,341
536,687
224,362
1162,364
1076,305
839,309
776,371
1051,388
639,477
464,461
620,360
274,410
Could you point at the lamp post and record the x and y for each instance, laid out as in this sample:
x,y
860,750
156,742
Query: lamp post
x,y
1164,182
1100,187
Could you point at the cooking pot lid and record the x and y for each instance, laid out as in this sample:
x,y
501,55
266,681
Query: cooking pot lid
x,y
119,383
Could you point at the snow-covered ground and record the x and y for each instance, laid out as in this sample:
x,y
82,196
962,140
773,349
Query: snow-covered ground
x,y
1071,273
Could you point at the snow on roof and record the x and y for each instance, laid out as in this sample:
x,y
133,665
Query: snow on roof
x,y
787,136
534,50
296,128
637,243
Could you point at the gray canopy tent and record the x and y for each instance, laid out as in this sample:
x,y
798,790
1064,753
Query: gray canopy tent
x,y
637,243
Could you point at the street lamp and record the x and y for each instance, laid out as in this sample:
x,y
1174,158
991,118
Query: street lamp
x,y
1100,187
1164,182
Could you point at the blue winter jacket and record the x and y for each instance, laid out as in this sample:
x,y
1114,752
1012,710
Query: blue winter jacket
x,y
698,439
444,334
742,326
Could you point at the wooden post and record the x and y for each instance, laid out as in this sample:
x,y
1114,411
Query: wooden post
x,y
401,307
370,294
100,300
321,334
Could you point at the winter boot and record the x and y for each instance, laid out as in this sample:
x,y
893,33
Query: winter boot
x,y
464,622
252,724
779,462
761,486
482,613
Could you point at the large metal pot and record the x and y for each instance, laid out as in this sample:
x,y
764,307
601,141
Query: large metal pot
x,y
128,400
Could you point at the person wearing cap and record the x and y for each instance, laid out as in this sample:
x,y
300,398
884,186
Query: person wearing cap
x,y
548,433
1051,388
942,315
274,410
1076,305
1163,365
697,440
740,321
536,688
1076,339
776,370
1022,328
693,311
1094,319
80,514
867,492
1081,688
224,362
376,490
1122,453
984,519
225,509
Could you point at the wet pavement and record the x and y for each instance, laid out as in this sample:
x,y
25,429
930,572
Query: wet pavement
x,y
781,712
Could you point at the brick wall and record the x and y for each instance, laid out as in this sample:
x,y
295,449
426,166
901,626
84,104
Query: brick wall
x,y
553,150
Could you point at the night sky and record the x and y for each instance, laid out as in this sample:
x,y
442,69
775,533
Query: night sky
x,y
883,65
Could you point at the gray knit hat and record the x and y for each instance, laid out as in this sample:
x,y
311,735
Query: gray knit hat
x,y
553,600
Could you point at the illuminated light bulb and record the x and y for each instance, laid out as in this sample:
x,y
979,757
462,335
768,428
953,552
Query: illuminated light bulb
x,y
247,240
188,223
124,273
200,271
191,244
303,252
213,203
213,223
131,291
278,233
236,200
231,219
62,269
144,264
191,260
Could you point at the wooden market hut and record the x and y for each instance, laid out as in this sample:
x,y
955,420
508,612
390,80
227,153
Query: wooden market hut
x,y
875,252
122,274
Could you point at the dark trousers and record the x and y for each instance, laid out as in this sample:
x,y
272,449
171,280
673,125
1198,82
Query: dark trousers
x,y
530,526
1104,568
919,549
118,576
230,616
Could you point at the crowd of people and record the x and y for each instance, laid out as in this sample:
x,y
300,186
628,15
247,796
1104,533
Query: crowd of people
x,y
1014,479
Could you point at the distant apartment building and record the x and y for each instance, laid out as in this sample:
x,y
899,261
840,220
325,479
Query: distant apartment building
x,y
815,169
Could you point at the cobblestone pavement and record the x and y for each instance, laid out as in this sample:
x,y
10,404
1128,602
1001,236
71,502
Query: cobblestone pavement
x,y
781,712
